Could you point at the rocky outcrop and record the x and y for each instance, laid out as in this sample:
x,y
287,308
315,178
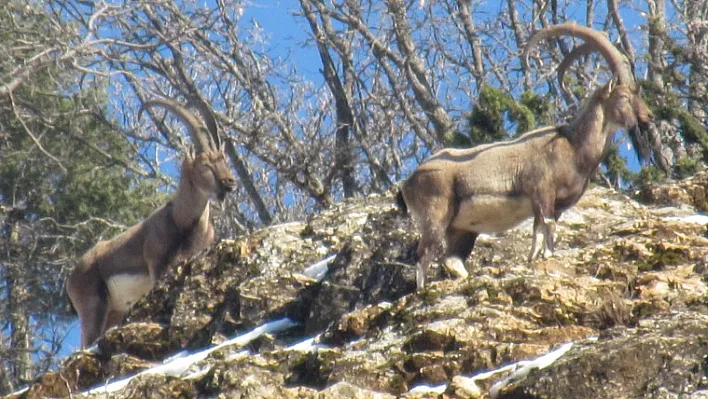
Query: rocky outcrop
x,y
691,191
662,357
627,287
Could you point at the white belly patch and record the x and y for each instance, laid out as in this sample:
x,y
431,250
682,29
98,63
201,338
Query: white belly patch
x,y
492,213
126,289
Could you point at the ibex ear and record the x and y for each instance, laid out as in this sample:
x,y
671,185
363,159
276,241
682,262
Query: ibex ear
x,y
191,152
610,86
613,83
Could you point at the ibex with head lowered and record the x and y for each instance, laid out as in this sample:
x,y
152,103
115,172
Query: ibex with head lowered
x,y
114,274
459,193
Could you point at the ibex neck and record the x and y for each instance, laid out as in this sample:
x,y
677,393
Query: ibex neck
x,y
189,204
590,134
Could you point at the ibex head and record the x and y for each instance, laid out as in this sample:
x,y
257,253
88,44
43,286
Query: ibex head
x,y
626,107
622,95
207,167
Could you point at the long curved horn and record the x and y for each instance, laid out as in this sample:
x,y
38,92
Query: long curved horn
x,y
197,130
597,40
210,121
579,51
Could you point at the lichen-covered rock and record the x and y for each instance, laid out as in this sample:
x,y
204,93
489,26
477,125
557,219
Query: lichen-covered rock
x,y
692,191
156,386
660,358
143,340
632,275
78,372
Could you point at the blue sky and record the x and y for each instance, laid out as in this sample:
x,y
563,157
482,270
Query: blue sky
x,y
288,34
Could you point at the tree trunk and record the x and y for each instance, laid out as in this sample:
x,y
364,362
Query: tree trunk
x,y
17,297
520,39
657,30
5,383
623,35
245,178
19,325
697,35
474,41
415,72
342,92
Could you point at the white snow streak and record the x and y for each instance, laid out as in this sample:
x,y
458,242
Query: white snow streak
x,y
539,363
318,270
179,364
522,368
697,218
308,345
439,389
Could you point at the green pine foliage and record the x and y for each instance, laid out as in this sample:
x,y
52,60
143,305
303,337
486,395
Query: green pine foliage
x,y
496,110
687,167
58,197
667,106
65,210
89,186
648,175
616,167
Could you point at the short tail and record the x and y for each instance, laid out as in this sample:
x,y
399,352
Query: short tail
x,y
68,306
401,202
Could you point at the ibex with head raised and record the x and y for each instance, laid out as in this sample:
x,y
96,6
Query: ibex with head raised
x,y
459,193
114,274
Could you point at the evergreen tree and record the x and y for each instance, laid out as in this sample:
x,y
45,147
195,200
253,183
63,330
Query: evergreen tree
x,y
63,185
496,111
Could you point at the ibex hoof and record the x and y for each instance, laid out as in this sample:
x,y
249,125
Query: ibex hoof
x,y
456,267
420,278
541,254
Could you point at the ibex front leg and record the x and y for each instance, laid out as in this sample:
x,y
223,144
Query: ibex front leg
x,y
544,224
459,247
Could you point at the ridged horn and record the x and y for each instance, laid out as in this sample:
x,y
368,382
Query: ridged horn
x,y
579,51
598,41
210,122
200,135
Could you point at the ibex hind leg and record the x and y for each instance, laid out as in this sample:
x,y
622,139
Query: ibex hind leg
x,y
88,294
92,315
430,248
433,215
460,244
114,318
